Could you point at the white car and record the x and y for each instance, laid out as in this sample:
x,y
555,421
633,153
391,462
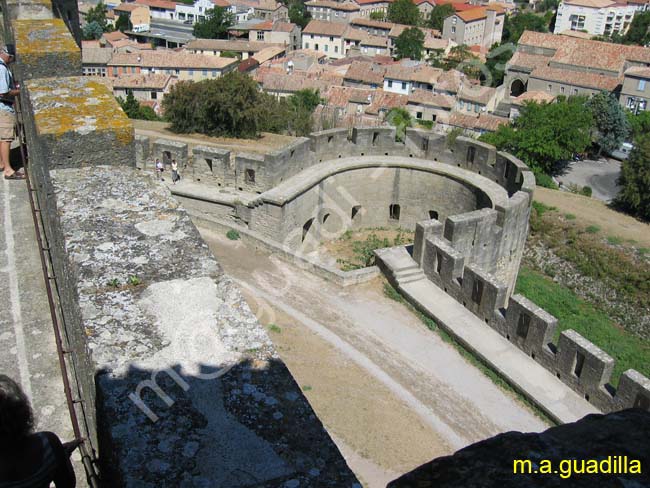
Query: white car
x,y
623,152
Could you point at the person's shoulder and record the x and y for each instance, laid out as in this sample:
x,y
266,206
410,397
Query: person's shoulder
x,y
51,437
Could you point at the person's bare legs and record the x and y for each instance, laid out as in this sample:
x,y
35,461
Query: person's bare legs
x,y
5,147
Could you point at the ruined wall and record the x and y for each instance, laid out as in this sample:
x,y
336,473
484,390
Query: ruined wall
x,y
180,385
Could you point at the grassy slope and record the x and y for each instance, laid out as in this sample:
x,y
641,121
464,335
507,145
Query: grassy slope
x,y
574,313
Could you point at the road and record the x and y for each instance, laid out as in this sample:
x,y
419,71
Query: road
x,y
391,393
600,175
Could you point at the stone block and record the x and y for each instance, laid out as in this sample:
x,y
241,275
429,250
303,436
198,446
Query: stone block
x,y
167,150
78,122
423,231
27,9
45,47
142,151
582,364
530,327
212,163
633,391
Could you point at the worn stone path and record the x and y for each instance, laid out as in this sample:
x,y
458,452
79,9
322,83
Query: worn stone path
x,y
414,366
27,345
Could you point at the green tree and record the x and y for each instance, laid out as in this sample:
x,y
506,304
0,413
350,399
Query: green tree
x,y
634,196
307,98
546,134
463,59
410,44
381,15
403,12
91,31
134,110
216,24
98,14
639,123
123,23
639,30
515,25
298,14
611,124
401,119
496,61
438,15
545,5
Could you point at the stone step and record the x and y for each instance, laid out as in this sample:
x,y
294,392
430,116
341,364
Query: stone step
x,y
410,278
404,273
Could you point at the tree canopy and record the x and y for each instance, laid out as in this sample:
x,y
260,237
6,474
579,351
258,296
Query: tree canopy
x,y
401,119
639,123
639,30
123,23
91,31
98,14
546,134
463,59
515,25
438,15
610,121
495,63
403,12
298,14
410,44
634,196
233,106
379,15
216,24
134,110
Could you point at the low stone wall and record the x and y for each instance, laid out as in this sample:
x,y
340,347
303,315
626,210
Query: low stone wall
x,y
180,384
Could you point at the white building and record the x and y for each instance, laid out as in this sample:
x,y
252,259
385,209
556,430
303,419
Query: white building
x,y
325,37
597,17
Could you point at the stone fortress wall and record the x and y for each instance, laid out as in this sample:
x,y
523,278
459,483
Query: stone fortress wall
x,y
469,205
179,385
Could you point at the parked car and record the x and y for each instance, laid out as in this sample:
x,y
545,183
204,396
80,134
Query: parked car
x,y
623,152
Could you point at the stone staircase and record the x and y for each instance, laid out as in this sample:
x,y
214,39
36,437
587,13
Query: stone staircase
x,y
399,266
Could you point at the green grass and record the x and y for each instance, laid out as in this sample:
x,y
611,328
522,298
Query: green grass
x,y
497,379
592,229
569,216
614,240
275,328
574,313
232,234
541,209
306,388
643,250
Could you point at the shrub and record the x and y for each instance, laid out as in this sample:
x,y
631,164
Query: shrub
x,y
586,191
593,229
544,180
614,240
569,216
427,124
452,136
232,234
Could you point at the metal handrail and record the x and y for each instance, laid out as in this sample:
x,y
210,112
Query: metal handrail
x,y
86,449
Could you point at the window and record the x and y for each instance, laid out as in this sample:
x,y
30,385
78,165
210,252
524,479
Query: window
x,y
312,36
641,86
578,364
154,95
306,45
575,91
453,29
325,48
471,152
214,73
403,85
390,83
393,211
190,72
177,71
336,49
316,47
205,73
561,89
418,115
331,39
477,107
249,176
550,87
260,35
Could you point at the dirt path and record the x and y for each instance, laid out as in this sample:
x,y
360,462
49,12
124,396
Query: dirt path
x,y
390,392
590,211
267,142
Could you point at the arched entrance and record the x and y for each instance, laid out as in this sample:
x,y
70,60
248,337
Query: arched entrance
x,y
517,87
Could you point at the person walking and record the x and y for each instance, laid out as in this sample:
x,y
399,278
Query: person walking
x,y
175,176
8,93
27,459
159,169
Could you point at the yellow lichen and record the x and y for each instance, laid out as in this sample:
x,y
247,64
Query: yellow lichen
x,y
37,38
77,104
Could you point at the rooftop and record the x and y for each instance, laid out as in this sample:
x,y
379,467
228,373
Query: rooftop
x,y
320,27
170,59
345,6
577,78
428,98
226,45
638,72
154,81
477,94
484,122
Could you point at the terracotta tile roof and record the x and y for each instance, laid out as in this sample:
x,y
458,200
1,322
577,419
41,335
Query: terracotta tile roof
x,y
96,55
586,53
170,60
247,65
221,3
576,78
375,41
282,82
376,24
376,100
127,7
638,72
477,94
345,6
431,42
450,81
572,33
161,4
366,73
426,74
226,45
268,53
382,100
280,26
420,2
263,26
528,61
114,36
483,122
322,28
472,15
399,72
367,2
533,96
90,44
591,3
144,82
430,99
